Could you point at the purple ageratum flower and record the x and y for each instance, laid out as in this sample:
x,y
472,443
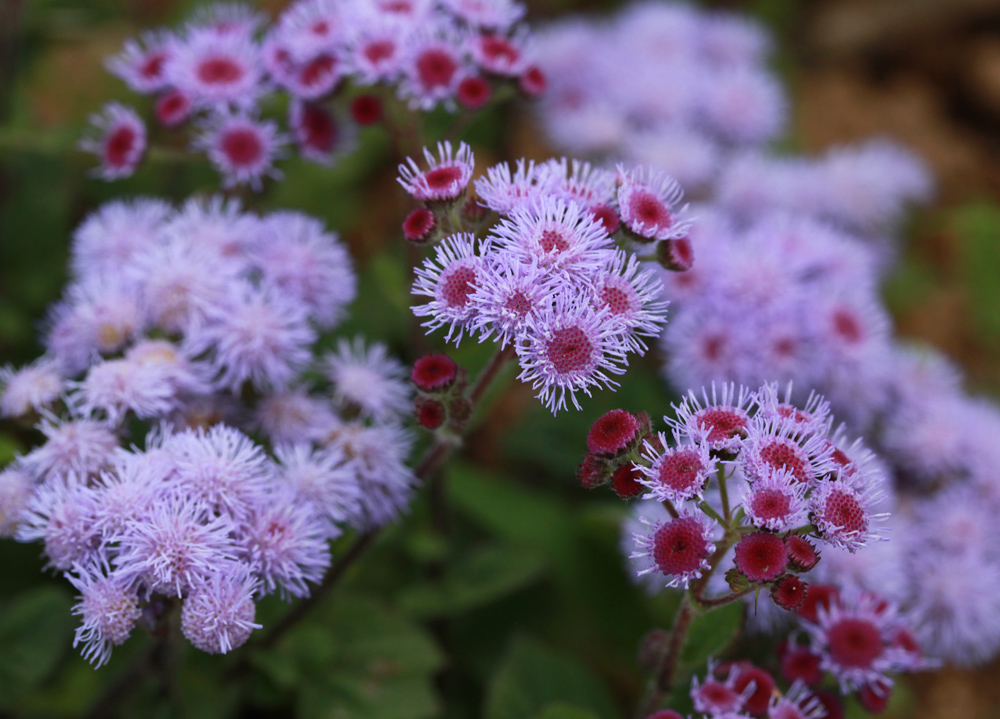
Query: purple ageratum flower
x,y
61,514
286,544
445,178
78,448
32,388
111,237
499,54
733,39
676,474
648,202
797,703
180,282
115,388
677,548
175,546
773,445
775,406
435,65
486,14
118,138
215,223
141,63
261,335
855,636
243,149
955,603
560,236
216,70
295,253
220,471
570,346
841,510
98,317
369,380
507,290
322,477
776,501
16,490
633,295
321,135
714,697
126,494
228,18
377,457
449,279
502,190
292,416
576,181
219,611
186,376
108,608
744,105
308,28
720,416
377,49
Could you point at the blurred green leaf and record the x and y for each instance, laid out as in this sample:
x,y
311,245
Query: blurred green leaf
x,y
354,659
560,710
979,227
36,630
532,677
482,576
710,634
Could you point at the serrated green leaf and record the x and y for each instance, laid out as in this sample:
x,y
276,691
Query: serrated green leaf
x,y
36,631
482,576
532,677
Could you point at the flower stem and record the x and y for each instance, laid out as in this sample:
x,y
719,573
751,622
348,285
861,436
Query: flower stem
x,y
662,681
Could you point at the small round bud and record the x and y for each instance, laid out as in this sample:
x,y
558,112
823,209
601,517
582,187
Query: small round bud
x,y
434,373
831,702
676,255
875,697
614,433
761,556
789,592
736,581
802,555
592,472
366,110
625,481
680,547
460,409
418,225
430,413
474,93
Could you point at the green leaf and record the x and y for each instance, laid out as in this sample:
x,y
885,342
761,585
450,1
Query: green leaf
x,y
482,576
979,227
36,630
560,710
710,634
533,677
353,659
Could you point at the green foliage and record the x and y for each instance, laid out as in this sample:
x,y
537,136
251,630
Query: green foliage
x,y
354,659
533,678
978,225
36,630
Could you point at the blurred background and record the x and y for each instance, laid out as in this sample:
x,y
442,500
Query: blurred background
x,y
925,72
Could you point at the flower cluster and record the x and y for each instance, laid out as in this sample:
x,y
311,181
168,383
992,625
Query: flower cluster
x,y
224,67
671,85
187,459
744,469
556,275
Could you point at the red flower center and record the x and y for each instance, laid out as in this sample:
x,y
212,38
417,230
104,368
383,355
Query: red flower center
x,y
784,454
843,510
770,503
152,67
847,326
376,52
457,285
570,350
242,146
436,68
650,211
317,129
854,643
440,178
496,48
318,71
119,146
681,470
617,300
553,241
518,303
220,71
680,546
721,422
